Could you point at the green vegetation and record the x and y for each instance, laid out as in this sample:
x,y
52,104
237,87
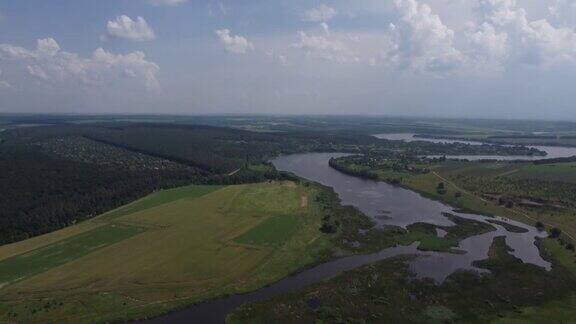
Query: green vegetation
x,y
384,292
171,249
211,238
429,240
160,198
272,232
79,167
28,264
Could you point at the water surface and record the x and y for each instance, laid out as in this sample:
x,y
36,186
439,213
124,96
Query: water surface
x,y
404,207
552,151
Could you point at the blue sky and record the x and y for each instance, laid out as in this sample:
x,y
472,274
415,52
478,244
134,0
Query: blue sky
x,y
461,58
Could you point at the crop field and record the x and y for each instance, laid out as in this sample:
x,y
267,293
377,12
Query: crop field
x,y
42,259
170,249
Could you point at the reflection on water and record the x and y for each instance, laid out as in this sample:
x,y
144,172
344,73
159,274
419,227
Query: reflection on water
x,y
406,207
552,151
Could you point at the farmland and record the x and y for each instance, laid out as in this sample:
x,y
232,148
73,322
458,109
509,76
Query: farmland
x,y
169,249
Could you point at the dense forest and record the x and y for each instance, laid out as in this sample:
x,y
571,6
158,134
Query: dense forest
x,y
41,193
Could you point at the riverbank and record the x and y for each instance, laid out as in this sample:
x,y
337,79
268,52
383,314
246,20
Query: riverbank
x,y
496,188
386,292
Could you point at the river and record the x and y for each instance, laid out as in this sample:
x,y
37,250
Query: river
x,y
401,207
552,152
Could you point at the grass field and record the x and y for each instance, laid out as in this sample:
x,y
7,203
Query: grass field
x,y
553,184
169,249
28,264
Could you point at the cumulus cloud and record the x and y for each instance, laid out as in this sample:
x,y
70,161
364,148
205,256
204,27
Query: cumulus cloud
x,y
234,43
421,41
488,47
167,2
563,11
322,13
507,33
124,27
48,62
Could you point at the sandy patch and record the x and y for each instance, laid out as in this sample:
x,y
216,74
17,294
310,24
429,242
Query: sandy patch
x,y
304,202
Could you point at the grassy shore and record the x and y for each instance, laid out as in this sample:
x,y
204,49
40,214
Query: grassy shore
x,y
386,293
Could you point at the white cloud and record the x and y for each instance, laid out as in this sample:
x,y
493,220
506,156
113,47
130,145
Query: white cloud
x,y
124,27
326,47
322,13
48,62
488,48
563,11
421,41
168,2
536,42
234,43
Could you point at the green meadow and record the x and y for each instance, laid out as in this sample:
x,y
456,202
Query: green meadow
x,y
28,264
167,250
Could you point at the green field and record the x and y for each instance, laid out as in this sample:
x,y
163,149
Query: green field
x,y
28,264
170,249
272,232
160,198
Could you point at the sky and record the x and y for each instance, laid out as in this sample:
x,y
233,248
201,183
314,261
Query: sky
x,y
444,58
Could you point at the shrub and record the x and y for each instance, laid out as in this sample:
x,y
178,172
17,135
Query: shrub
x,y
555,232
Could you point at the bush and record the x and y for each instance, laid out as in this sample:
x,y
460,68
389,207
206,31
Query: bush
x,y
441,188
555,232
328,228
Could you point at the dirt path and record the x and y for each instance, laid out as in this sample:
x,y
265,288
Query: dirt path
x,y
234,172
512,210
304,201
